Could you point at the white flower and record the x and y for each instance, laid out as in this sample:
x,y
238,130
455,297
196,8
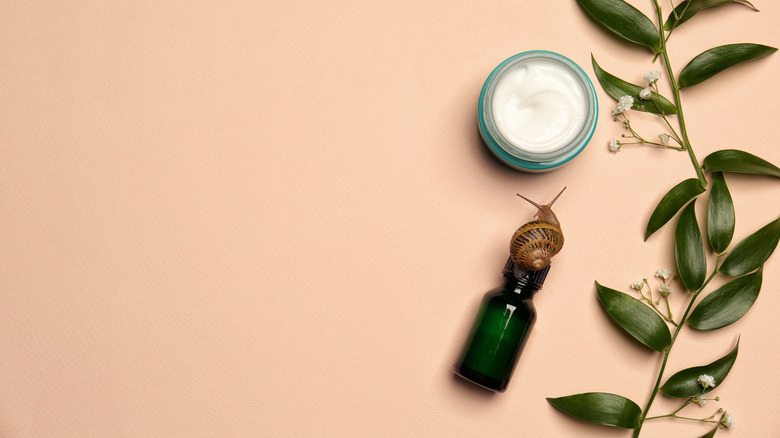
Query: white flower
x,y
663,273
700,400
614,145
727,420
707,381
638,284
664,138
652,76
645,93
665,290
624,104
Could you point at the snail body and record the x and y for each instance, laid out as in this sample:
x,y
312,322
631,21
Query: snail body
x,y
535,243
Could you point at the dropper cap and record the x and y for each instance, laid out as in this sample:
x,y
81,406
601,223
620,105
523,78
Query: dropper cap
x,y
530,281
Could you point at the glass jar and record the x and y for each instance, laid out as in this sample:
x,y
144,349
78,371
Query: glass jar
x,y
542,96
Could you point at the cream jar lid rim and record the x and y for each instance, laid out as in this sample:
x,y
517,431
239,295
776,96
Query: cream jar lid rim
x,y
524,160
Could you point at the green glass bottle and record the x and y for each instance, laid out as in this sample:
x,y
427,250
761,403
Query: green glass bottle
x,y
501,329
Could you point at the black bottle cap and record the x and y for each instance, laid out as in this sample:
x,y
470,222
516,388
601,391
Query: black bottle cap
x,y
529,280
539,276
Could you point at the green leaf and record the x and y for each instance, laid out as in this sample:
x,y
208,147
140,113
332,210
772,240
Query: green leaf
x,y
688,8
600,408
710,434
720,215
671,203
726,304
625,21
689,249
685,383
753,251
717,59
735,161
618,88
635,318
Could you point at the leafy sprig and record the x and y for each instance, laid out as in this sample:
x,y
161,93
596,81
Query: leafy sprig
x,y
641,316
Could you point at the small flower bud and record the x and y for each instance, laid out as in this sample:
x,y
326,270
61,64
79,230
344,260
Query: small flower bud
x,y
727,420
652,76
624,104
663,273
706,381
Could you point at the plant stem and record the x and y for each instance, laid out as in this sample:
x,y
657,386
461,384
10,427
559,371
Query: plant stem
x,y
661,371
702,181
673,414
702,420
674,132
669,309
634,134
677,100
682,407
652,304
668,350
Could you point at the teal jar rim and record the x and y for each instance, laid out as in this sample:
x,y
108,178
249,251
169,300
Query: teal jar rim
x,y
526,161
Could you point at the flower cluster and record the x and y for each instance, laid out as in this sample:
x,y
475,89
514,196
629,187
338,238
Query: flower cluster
x,y
727,420
627,102
624,104
664,289
706,381
652,77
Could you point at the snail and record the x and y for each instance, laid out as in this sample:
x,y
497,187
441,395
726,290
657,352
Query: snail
x,y
535,243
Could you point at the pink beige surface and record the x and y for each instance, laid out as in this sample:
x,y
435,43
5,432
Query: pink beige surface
x,y
248,219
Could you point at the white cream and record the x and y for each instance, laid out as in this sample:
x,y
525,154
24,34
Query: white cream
x,y
539,106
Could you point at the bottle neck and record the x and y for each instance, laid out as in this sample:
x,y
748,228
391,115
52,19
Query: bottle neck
x,y
524,283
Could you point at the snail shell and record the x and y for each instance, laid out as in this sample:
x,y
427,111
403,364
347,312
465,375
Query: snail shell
x,y
536,242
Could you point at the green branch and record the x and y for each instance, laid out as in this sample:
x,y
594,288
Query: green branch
x,y
677,100
657,386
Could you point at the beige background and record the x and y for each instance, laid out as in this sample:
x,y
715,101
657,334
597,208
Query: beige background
x,y
277,219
